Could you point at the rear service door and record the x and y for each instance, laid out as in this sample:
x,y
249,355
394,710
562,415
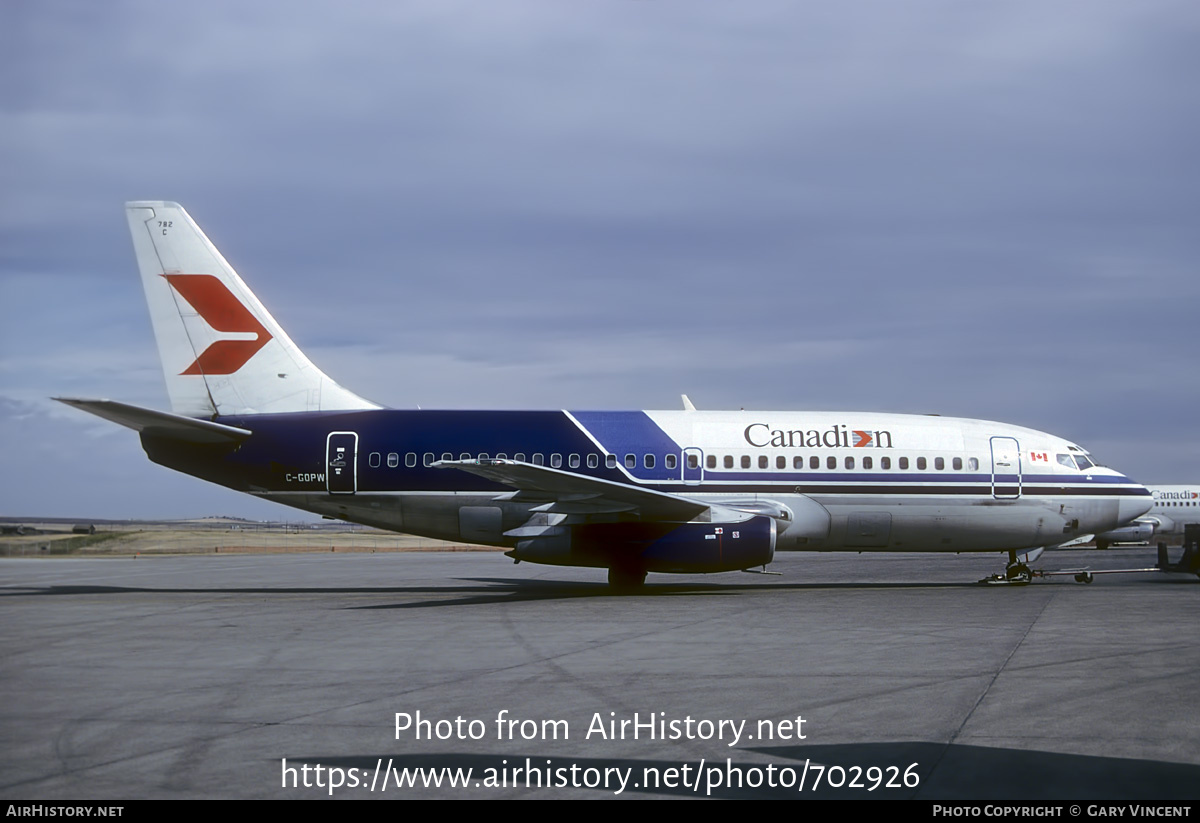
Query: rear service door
x,y
341,459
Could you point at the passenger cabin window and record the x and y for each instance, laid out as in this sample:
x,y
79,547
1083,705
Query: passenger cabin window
x,y
693,460
957,464
464,456
831,462
868,463
631,461
885,463
593,461
797,462
814,462
939,463
410,460
447,456
428,458
555,461
648,461
849,462
903,463
519,456
711,461
728,462
610,461
745,461
671,461
921,464
573,461
539,459
373,460
762,461
973,463
481,456
781,462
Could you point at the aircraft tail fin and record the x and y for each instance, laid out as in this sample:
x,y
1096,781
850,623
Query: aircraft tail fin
x,y
222,352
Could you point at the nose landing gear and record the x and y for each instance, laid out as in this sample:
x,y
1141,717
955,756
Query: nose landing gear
x,y
1017,572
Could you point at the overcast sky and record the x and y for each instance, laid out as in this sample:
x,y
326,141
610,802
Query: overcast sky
x,y
976,209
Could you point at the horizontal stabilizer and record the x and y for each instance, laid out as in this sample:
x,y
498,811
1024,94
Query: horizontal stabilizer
x,y
165,424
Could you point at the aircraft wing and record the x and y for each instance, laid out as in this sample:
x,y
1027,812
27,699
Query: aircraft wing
x,y
149,421
570,493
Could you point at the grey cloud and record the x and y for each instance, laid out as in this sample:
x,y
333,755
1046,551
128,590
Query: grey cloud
x,y
979,209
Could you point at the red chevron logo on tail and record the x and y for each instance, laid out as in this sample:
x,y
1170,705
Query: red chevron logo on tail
x,y
225,313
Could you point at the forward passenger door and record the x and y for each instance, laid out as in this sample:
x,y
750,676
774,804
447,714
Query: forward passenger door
x,y
1006,468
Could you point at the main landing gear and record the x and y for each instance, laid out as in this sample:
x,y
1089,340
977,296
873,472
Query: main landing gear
x,y
625,579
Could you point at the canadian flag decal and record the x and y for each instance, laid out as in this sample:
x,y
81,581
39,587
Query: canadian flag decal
x,y
1036,456
225,313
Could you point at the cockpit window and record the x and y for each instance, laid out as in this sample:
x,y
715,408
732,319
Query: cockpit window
x,y
1077,460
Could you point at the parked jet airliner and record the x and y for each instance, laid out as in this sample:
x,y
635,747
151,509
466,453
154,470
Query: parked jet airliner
x,y
630,491
1174,507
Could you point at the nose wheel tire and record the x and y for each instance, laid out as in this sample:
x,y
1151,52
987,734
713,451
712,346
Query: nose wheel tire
x,y
1018,573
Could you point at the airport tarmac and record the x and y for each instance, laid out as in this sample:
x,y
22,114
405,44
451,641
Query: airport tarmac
x,y
199,676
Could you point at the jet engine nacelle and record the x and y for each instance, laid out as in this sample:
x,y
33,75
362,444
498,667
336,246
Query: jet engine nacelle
x,y
681,548
1133,533
800,517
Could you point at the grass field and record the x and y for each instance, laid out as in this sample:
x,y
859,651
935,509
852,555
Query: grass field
x,y
212,537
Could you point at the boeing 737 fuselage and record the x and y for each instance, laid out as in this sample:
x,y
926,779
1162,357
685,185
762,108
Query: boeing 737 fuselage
x,y
632,491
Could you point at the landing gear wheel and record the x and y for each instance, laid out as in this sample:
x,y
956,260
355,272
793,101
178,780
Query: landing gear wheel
x,y
1018,573
1084,577
625,579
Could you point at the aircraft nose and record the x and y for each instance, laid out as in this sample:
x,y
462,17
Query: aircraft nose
x,y
1131,508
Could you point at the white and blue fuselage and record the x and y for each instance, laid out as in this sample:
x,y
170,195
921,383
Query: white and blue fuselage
x,y
830,481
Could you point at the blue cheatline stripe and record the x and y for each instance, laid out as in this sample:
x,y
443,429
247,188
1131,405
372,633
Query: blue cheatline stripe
x,y
894,489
